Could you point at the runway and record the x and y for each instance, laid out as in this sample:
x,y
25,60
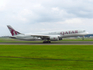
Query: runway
x,y
52,43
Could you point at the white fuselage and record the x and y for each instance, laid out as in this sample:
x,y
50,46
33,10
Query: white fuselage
x,y
52,35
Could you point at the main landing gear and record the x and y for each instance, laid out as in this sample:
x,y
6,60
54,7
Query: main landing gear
x,y
46,41
82,37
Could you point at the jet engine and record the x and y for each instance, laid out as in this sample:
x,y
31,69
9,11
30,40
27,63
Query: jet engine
x,y
52,38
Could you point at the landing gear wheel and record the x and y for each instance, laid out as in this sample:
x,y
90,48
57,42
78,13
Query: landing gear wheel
x,y
46,41
49,41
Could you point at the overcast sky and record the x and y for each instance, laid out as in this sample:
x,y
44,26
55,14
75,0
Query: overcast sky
x,y
27,16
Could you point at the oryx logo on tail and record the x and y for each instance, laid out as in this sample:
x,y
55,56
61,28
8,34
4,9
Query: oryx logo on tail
x,y
12,31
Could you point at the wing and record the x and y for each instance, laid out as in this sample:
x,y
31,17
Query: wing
x,y
41,36
47,37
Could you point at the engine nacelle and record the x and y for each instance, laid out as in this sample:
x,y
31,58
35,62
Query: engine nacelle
x,y
52,38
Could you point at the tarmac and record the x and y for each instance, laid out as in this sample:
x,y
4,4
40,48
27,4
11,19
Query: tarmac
x,y
52,43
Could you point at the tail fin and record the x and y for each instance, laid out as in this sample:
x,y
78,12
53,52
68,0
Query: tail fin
x,y
12,31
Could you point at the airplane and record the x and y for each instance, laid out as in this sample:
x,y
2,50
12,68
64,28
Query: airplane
x,y
47,37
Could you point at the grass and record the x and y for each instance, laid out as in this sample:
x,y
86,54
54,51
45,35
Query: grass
x,y
46,57
78,39
8,40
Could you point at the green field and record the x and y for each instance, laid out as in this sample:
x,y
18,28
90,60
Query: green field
x,y
46,57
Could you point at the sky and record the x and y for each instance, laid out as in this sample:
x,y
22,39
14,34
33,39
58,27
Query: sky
x,y
28,16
